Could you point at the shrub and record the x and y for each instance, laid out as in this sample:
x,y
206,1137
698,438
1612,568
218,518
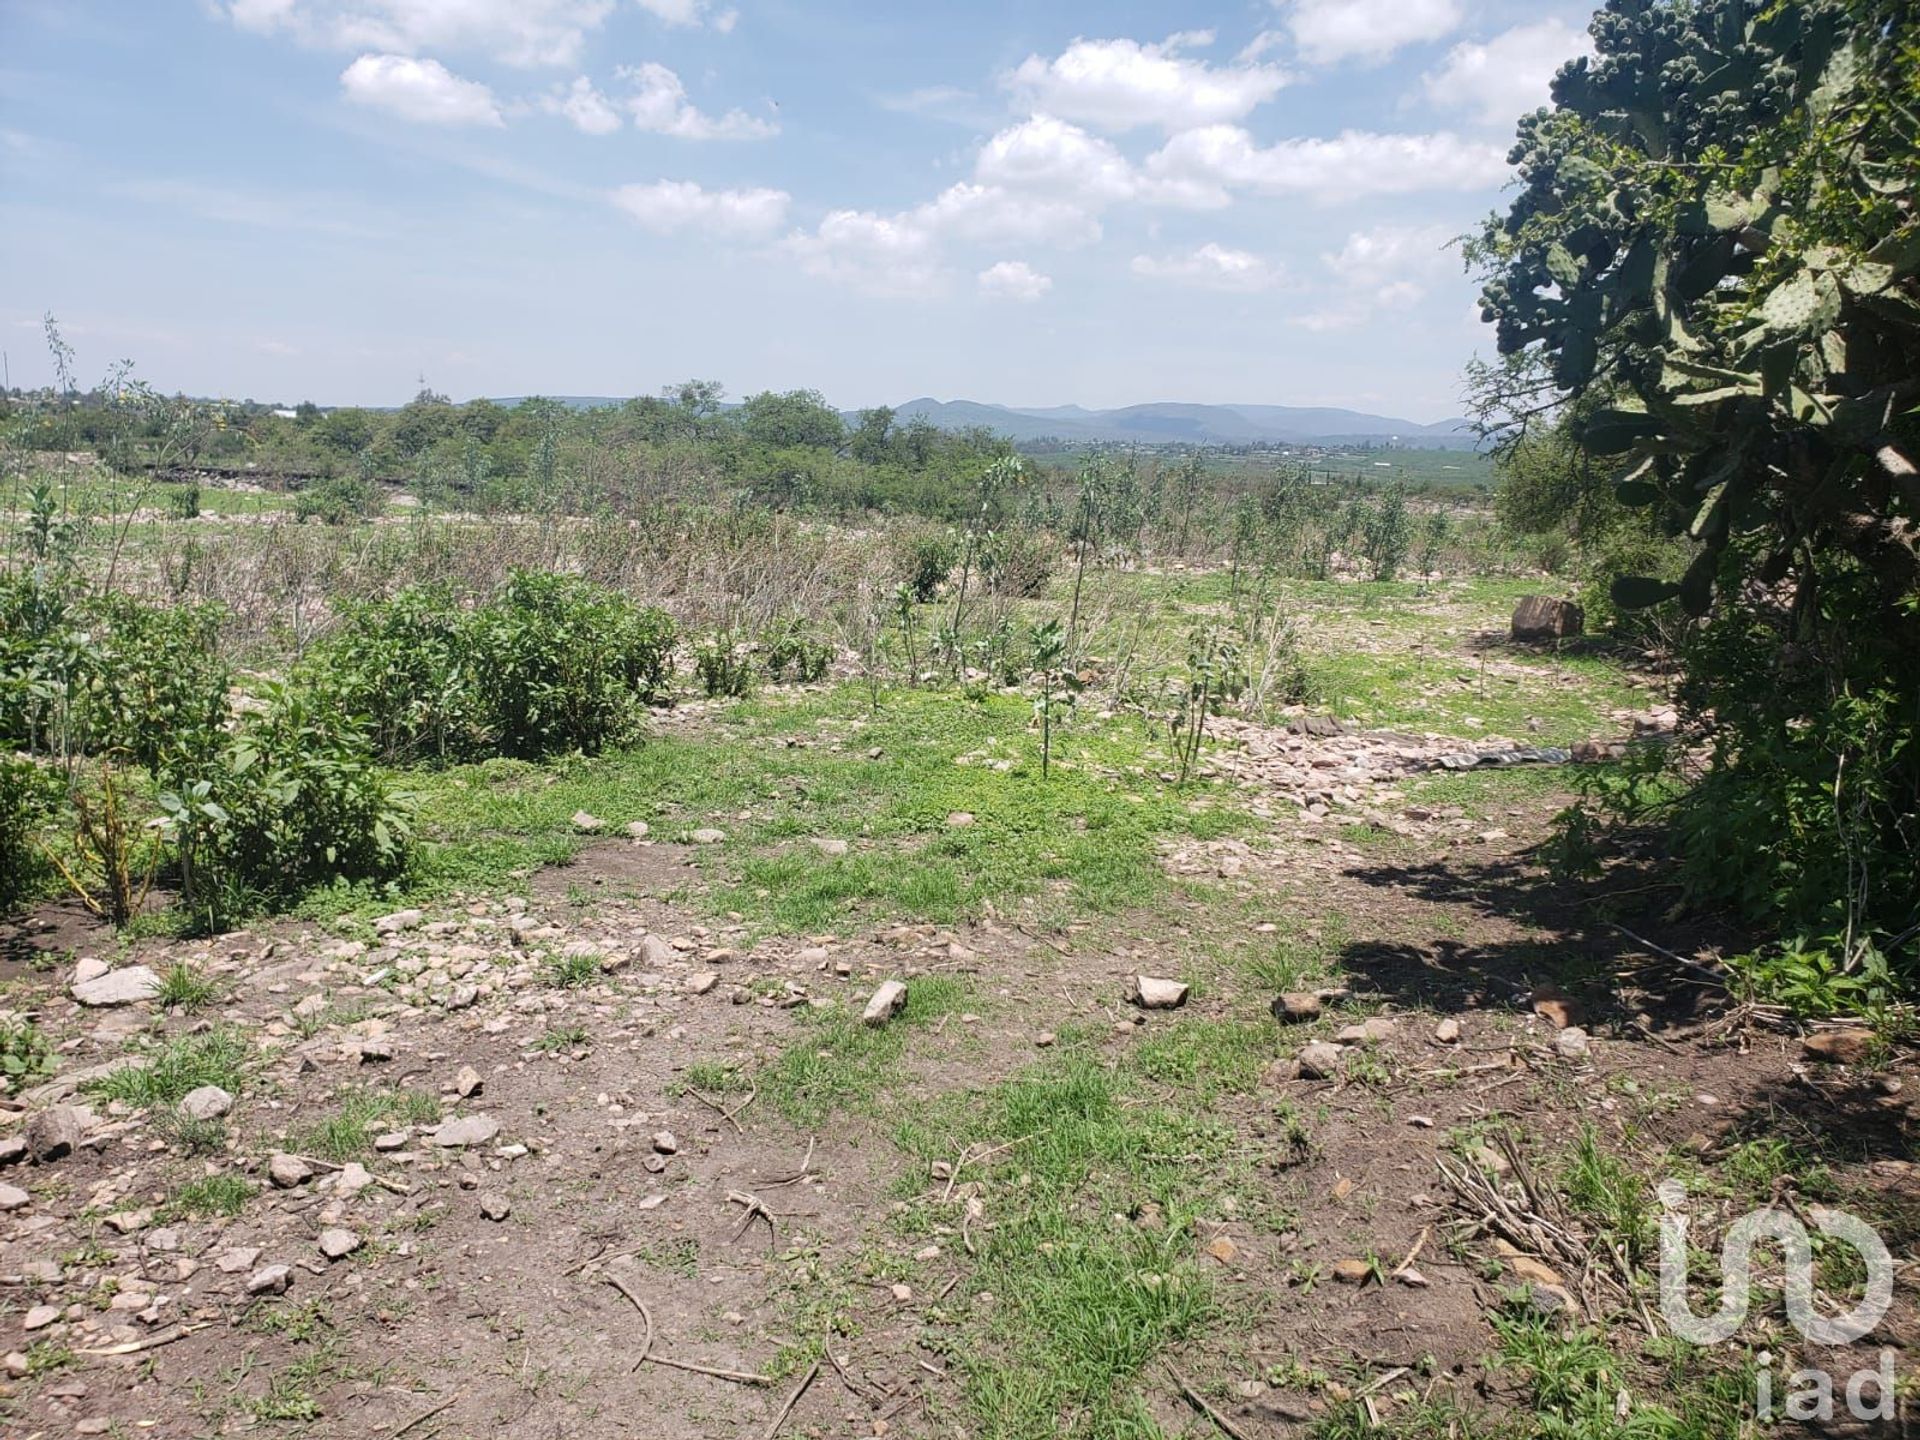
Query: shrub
x,y
338,499
27,798
924,560
724,665
25,1052
292,801
1017,563
794,652
156,685
555,663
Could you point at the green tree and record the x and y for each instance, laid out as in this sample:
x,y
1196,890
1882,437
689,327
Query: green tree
x,y
1713,256
793,419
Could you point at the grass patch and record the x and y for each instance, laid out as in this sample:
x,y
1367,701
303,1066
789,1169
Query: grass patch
x,y
1083,838
213,1195
1091,1197
184,988
215,1057
348,1133
840,1063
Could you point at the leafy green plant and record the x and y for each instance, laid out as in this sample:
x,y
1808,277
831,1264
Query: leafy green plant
x,y
25,1053
723,664
27,798
794,652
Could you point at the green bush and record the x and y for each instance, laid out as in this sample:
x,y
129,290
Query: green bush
x,y
25,1053
155,683
723,665
555,663
924,559
27,797
794,652
338,499
291,801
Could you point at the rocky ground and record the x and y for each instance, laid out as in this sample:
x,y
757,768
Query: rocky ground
x,y
595,1161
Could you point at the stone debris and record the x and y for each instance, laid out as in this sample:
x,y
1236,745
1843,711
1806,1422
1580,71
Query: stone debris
x,y
1321,1061
270,1280
129,985
466,1131
287,1171
1150,992
707,835
888,1001
56,1133
1848,1046
208,1102
337,1244
1296,1006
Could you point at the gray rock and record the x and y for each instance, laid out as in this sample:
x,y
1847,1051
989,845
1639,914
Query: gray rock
x,y
337,1244
1320,1061
707,835
1572,1043
701,981
56,1133
12,1197
666,1143
468,1083
208,1102
89,968
13,1150
270,1280
888,1001
1296,1006
494,1206
1541,617
653,953
40,1317
638,829
830,847
398,921
287,1171
131,985
587,823
1150,992
467,1130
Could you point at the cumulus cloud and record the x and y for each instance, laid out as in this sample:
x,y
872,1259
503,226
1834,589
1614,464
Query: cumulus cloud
x,y
1508,76
423,91
514,32
994,215
1014,280
1206,165
1120,84
1326,31
668,206
659,103
889,256
690,13
1049,155
1386,268
1210,267
590,111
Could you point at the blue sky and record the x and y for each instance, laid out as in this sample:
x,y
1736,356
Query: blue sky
x,y
1039,205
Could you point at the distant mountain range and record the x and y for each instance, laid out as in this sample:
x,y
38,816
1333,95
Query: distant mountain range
x,y
1166,423
1161,423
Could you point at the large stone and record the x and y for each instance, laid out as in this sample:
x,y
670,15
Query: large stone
x,y
1541,617
888,1001
467,1130
1150,992
1839,1047
1296,1006
56,1133
12,1197
653,953
287,1171
208,1102
1320,1061
337,1244
270,1280
130,985
398,921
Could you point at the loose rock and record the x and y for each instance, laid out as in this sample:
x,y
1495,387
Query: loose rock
x,y
1295,1007
270,1280
1320,1061
1839,1047
287,1171
888,1001
494,1206
208,1102
56,1133
337,1244
467,1130
130,985
1150,992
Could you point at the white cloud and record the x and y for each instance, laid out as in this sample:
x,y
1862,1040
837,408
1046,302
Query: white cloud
x,y
514,32
667,206
1211,267
992,215
1014,280
1509,75
1060,160
423,91
893,257
659,104
691,12
1326,31
590,111
1120,84
1392,255
1204,166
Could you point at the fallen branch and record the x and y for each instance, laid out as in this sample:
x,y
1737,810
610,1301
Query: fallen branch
x,y
792,1400
423,1417
806,1167
1199,1402
152,1342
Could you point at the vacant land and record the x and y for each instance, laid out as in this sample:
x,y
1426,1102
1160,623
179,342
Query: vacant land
x,y
572,1125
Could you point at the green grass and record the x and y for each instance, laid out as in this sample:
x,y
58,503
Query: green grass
x,y
839,1063
1083,840
570,972
347,1134
184,988
212,1195
1611,1195
1091,1192
215,1057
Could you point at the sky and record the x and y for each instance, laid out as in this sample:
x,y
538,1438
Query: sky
x,y
1068,203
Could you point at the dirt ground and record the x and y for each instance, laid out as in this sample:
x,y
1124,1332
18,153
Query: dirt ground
x,y
622,1252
